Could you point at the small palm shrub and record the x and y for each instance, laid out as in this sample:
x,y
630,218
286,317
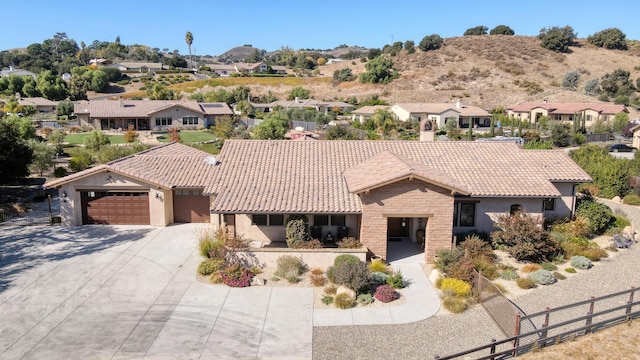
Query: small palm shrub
x,y
346,258
377,265
344,301
526,283
570,270
236,276
581,262
559,276
327,299
542,277
290,268
530,268
317,277
395,280
364,299
349,243
209,266
385,293
509,275
454,304
378,278
457,286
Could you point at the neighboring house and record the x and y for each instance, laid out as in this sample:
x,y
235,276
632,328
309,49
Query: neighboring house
x,y
102,62
322,106
17,72
636,136
372,190
138,66
41,104
440,113
532,111
246,68
155,187
364,113
148,114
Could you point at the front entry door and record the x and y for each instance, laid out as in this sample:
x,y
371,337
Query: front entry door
x,y
397,227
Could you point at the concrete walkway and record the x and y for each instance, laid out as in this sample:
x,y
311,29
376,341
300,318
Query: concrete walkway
x,y
130,292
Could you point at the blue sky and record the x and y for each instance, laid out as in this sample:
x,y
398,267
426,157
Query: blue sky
x,y
218,26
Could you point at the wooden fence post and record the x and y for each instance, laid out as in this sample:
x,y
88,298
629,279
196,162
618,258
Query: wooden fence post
x,y
493,348
589,318
50,210
628,310
544,332
516,342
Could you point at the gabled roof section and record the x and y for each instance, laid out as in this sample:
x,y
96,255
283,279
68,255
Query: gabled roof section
x,y
568,108
439,108
166,166
386,168
309,176
145,108
369,110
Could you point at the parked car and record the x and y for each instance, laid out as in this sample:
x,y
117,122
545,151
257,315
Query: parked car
x,y
622,148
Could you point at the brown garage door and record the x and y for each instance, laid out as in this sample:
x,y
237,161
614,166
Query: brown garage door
x,y
127,208
190,206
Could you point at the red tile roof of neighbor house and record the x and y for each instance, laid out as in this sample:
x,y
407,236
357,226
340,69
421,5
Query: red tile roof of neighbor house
x,y
317,176
369,109
569,108
439,108
167,166
145,108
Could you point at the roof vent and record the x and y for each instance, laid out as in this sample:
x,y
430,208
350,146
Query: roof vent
x,y
211,160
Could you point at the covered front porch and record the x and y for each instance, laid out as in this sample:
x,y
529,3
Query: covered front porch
x,y
122,124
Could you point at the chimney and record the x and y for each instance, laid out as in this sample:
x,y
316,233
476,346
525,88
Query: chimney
x,y
120,102
458,104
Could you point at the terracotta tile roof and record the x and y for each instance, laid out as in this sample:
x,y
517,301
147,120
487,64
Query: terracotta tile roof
x,y
168,166
145,108
439,108
37,101
369,110
386,167
568,108
309,176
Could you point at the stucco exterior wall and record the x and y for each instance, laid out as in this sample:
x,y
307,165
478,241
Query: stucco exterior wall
x,y
176,114
407,198
160,208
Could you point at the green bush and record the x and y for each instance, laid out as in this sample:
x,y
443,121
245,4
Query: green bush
x,y
395,280
548,266
570,270
79,163
346,258
377,265
59,172
457,286
509,275
296,230
631,199
206,245
327,299
581,262
557,38
445,258
378,278
354,276
599,215
290,268
430,42
611,38
542,277
344,301
209,266
364,299
486,268
526,283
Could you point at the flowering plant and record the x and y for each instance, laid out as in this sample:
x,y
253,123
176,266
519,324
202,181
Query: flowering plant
x,y
236,276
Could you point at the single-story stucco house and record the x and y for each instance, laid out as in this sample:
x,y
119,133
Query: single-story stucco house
x,y
440,113
372,190
532,111
148,114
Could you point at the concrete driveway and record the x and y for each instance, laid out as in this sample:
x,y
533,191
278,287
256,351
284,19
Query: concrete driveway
x,y
127,292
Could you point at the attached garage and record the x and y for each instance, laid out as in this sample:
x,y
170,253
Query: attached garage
x,y
190,206
115,207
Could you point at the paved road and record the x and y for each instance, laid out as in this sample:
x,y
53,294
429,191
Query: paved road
x,y
129,292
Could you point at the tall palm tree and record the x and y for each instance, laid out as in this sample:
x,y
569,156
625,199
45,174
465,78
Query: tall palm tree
x,y
189,39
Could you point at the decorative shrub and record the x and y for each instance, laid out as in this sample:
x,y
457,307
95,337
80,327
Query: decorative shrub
x,y
236,276
327,299
378,278
457,286
215,278
475,247
290,268
559,276
581,262
296,230
205,245
579,227
331,290
346,258
526,283
631,199
542,277
454,303
317,277
311,244
377,265
594,253
385,293
349,243
599,215
529,268
395,280
486,268
209,266
524,238
622,242
463,270
355,276
445,258
509,275
548,266
570,270
621,221
364,299
344,301
59,172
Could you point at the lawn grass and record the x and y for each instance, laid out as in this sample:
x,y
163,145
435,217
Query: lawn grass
x,y
190,137
76,139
